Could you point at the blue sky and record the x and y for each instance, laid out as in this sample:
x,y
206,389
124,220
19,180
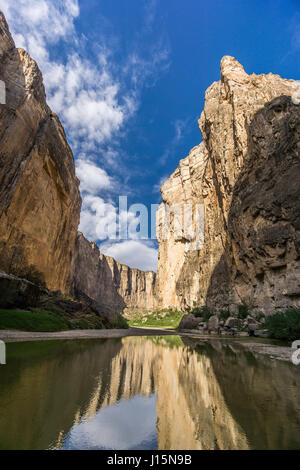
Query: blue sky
x,y
128,79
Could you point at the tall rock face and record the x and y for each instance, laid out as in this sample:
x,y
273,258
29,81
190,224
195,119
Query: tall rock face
x,y
115,288
39,196
246,174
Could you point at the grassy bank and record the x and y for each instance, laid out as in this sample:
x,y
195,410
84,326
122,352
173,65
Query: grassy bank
x,y
38,320
30,321
166,318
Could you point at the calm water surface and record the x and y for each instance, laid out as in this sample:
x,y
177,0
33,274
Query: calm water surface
x,y
146,393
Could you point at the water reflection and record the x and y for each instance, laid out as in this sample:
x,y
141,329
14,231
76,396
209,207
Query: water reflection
x,y
139,393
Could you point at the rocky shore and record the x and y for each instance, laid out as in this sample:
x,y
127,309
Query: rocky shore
x,y
251,325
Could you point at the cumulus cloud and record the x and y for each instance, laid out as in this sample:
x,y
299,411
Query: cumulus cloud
x,y
92,178
135,253
98,220
84,94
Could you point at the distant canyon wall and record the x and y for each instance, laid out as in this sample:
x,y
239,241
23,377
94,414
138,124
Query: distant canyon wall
x,y
246,173
114,287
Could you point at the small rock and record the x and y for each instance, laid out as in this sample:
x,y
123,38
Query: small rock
x,y
231,322
261,333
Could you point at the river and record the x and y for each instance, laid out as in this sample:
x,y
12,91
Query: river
x,y
160,392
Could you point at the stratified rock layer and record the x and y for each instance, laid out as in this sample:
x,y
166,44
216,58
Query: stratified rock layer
x,y
246,173
39,196
114,287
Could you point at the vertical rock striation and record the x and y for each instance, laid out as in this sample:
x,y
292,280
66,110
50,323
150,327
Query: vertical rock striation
x,y
246,174
39,195
114,287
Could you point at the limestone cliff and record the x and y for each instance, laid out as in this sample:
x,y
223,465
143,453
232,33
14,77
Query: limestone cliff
x,y
246,173
39,196
111,285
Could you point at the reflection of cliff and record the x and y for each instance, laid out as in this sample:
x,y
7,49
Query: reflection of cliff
x,y
191,410
207,396
46,387
262,395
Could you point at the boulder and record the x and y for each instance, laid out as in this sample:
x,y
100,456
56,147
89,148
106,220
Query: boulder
x,y
231,322
189,322
213,323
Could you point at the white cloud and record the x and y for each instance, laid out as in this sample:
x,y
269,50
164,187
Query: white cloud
x,y
83,93
135,253
98,220
92,178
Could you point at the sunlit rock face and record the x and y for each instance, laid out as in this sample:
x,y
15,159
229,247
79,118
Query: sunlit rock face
x,y
246,174
115,287
39,196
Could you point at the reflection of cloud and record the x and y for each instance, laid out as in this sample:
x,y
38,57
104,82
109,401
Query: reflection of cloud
x,y
123,426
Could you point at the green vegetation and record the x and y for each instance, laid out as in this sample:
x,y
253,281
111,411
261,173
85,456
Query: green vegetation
x,y
119,323
43,320
172,342
30,321
201,312
166,318
243,312
224,315
284,325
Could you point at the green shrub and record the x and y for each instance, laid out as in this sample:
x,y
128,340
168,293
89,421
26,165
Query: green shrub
x,y
284,325
119,323
224,314
202,312
243,312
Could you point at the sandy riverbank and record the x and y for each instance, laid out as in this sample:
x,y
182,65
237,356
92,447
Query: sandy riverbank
x,y
14,336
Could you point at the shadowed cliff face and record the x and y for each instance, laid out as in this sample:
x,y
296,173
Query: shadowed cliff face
x,y
160,392
39,196
245,173
260,265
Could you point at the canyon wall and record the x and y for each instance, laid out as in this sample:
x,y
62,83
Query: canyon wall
x,y
246,174
114,287
39,192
